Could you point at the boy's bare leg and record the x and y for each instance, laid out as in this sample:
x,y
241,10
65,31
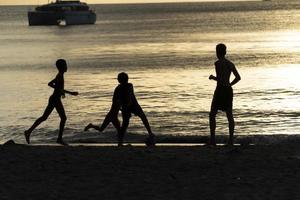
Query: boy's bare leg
x,y
212,125
231,125
41,119
120,138
120,135
150,141
101,128
105,123
111,116
61,111
90,125
115,121
146,123
125,123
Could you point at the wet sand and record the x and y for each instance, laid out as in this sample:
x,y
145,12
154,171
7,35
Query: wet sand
x,y
137,172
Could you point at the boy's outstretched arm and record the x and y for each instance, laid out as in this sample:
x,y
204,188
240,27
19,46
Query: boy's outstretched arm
x,y
71,93
237,76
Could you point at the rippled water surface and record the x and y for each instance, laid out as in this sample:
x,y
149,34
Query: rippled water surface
x,y
168,51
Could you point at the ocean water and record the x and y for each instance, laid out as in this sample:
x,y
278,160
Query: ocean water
x,y
168,50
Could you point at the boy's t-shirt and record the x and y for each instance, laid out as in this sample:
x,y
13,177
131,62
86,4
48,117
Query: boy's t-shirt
x,y
124,95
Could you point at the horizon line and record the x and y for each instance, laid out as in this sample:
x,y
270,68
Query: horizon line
x,y
133,3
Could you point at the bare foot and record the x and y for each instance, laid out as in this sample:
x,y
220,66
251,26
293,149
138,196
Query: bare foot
x,y
150,141
88,127
210,144
230,143
27,136
60,141
120,144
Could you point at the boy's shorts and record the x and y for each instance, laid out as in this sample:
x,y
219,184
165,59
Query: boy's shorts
x,y
223,98
128,110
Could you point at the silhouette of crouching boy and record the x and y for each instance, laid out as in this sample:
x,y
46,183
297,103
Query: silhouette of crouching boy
x,y
124,95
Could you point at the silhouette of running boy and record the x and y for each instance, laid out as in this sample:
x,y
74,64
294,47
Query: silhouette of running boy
x,y
54,102
223,95
124,100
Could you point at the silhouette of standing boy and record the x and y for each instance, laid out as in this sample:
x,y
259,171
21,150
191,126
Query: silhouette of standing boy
x,y
125,100
54,102
223,95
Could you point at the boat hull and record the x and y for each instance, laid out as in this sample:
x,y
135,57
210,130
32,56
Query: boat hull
x,y
39,18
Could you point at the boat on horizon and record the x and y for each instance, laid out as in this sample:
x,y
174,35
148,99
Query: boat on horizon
x,y
70,12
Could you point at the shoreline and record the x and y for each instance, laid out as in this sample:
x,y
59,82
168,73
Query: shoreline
x,y
243,140
109,139
163,172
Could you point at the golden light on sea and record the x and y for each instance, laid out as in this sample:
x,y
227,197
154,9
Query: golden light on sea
x,y
289,40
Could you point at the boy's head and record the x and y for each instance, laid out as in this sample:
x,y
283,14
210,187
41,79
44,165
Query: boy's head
x,y
123,77
221,50
61,65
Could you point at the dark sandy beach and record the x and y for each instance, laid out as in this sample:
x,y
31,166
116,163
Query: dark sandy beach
x,y
174,172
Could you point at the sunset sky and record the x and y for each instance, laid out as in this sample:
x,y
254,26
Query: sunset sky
x,y
34,2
